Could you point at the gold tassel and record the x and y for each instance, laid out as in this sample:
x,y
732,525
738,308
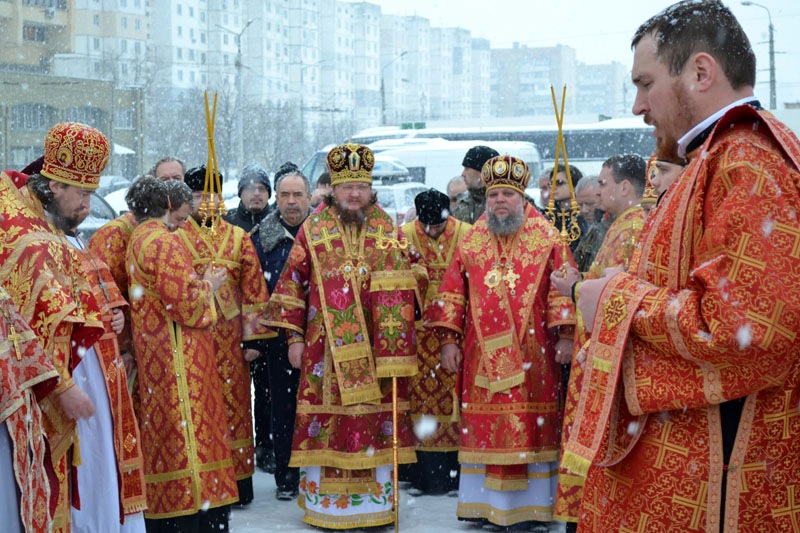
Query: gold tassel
x,y
575,463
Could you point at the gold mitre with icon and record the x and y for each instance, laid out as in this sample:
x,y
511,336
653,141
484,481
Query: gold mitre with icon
x,y
350,163
75,154
505,171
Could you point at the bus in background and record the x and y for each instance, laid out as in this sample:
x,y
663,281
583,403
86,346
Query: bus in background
x,y
435,161
588,144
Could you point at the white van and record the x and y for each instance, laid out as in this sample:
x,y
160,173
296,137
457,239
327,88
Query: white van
x,y
434,161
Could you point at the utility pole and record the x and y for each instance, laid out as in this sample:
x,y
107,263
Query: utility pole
x,y
239,95
383,85
772,96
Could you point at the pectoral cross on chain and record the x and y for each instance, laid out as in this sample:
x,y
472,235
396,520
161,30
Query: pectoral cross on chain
x,y
13,336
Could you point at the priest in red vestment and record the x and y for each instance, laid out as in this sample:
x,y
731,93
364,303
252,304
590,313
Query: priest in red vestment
x,y
240,303
622,183
185,437
346,300
502,324
688,411
45,278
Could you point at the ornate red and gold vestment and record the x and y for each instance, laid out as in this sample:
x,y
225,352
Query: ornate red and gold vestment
x,y
349,290
126,437
432,390
23,366
709,313
110,243
619,244
44,277
240,302
496,296
185,437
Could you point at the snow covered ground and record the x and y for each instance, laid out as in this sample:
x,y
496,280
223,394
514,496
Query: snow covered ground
x,y
418,515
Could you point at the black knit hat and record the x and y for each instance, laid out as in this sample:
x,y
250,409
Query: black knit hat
x,y
286,168
195,178
433,207
254,174
477,156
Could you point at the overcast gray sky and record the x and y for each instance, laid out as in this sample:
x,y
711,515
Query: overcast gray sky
x,y
600,31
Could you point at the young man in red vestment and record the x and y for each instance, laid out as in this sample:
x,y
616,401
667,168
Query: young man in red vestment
x,y
434,236
687,418
240,302
502,325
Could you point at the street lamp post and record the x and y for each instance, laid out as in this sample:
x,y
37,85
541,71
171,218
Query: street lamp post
x,y
772,95
239,94
383,86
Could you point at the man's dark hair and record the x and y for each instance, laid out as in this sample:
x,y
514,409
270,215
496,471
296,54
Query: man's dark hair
x,y
167,159
324,179
629,167
147,198
690,27
279,180
178,193
574,173
40,187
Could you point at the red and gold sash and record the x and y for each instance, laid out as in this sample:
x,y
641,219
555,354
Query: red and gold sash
x,y
505,265
355,278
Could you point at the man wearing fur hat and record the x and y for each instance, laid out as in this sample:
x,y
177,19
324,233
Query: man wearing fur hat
x,y
472,204
502,326
50,285
239,305
272,374
346,300
434,236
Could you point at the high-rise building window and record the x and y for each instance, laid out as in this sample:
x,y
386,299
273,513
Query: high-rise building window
x,y
124,23
31,32
32,117
178,9
96,20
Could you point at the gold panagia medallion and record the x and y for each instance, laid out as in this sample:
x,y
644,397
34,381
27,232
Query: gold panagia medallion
x,y
492,278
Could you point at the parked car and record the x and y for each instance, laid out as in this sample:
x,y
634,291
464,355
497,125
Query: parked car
x,y
386,170
100,213
110,183
398,198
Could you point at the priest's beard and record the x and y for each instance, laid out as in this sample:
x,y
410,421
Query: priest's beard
x,y
508,224
682,120
350,216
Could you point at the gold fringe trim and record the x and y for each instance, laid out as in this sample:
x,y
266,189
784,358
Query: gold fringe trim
x,y
603,365
506,484
502,517
575,463
186,472
500,385
397,367
496,343
348,461
187,512
392,280
510,457
359,521
370,393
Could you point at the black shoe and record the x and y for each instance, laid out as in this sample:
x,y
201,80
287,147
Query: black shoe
x,y
285,495
266,462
